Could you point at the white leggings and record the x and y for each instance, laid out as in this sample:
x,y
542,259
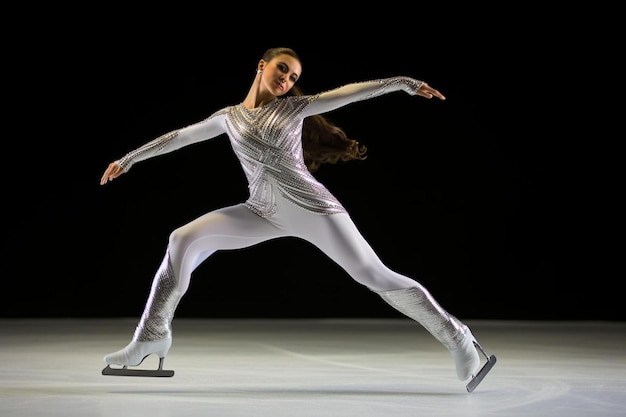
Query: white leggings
x,y
238,227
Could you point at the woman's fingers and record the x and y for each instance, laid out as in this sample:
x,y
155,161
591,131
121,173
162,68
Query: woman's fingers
x,y
429,92
113,171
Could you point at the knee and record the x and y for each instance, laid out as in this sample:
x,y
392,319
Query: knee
x,y
369,277
178,238
382,279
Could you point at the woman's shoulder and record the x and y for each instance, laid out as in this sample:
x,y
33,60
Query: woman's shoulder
x,y
297,101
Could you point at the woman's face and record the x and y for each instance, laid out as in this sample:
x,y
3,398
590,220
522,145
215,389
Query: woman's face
x,y
280,73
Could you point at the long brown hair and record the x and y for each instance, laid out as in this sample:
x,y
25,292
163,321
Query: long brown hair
x,y
322,141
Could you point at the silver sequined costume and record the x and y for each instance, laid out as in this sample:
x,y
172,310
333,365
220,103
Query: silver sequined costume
x,y
267,142
285,200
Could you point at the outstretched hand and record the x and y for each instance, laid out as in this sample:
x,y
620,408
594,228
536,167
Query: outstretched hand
x,y
427,91
113,171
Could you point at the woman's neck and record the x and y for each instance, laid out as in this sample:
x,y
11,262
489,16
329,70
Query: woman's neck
x,y
252,101
256,97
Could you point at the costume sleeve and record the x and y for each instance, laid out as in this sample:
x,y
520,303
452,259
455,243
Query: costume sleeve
x,y
350,93
206,129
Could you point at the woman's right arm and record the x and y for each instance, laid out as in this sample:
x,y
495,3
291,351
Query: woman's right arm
x,y
206,129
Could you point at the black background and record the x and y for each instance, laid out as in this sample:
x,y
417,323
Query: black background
x,y
499,200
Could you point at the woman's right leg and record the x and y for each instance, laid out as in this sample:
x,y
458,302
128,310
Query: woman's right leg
x,y
228,228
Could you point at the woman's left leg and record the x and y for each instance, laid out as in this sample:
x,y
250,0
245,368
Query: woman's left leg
x,y
337,236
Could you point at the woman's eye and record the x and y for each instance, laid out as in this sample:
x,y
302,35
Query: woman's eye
x,y
285,69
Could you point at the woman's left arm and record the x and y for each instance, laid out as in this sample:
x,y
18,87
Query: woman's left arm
x,y
350,93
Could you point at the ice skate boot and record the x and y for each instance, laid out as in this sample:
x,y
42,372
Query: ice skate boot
x,y
153,334
466,359
417,304
134,354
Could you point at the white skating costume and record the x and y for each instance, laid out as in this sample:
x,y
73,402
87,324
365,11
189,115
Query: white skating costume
x,y
285,199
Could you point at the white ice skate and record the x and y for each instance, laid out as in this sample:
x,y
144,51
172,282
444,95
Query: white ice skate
x,y
133,355
480,375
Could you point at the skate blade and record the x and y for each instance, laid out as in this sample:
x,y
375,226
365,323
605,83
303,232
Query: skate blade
x,y
491,361
137,372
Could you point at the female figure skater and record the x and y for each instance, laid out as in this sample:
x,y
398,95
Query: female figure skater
x,y
280,139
